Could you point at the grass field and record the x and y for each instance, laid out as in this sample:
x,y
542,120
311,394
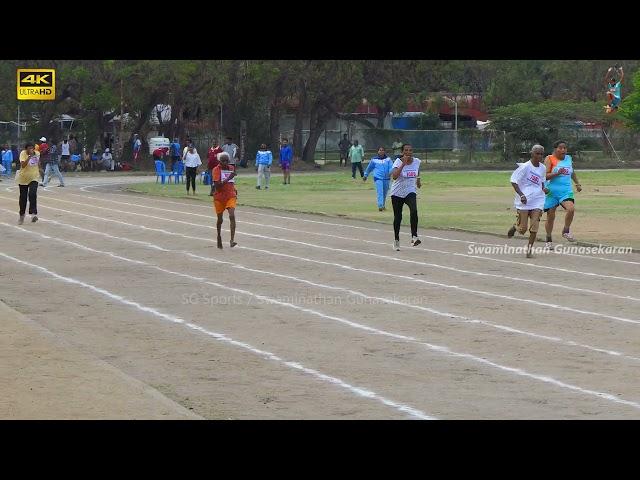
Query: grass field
x,y
607,210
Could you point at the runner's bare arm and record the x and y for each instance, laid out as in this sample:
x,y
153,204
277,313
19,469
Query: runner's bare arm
x,y
575,179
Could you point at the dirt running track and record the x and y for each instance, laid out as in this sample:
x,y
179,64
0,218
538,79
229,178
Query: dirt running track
x,y
128,310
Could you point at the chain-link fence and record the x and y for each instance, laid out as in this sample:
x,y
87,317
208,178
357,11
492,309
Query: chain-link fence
x,y
446,145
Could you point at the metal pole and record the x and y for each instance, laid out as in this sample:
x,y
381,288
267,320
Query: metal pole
x,y
455,135
325,145
504,144
220,132
121,142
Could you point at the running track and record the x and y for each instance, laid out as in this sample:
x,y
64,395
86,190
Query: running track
x,y
313,317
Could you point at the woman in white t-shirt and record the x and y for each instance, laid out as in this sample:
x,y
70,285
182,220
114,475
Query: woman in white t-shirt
x,y
528,182
406,177
191,162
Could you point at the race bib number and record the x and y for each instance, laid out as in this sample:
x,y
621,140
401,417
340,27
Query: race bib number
x,y
534,179
562,170
33,160
411,174
225,174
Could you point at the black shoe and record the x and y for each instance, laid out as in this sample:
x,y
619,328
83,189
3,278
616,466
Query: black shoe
x,y
511,232
257,187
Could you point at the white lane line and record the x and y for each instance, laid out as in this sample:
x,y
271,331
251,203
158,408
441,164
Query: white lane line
x,y
437,348
445,239
446,315
434,265
628,279
436,284
359,391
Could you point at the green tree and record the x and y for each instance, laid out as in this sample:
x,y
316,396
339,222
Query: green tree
x,y
630,106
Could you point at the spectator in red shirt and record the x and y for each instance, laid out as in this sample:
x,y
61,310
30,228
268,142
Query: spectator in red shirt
x,y
158,153
213,162
43,148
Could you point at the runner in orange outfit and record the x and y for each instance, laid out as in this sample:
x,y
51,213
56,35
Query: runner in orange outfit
x,y
225,195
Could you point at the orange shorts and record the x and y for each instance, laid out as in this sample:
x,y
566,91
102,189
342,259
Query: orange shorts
x,y
221,206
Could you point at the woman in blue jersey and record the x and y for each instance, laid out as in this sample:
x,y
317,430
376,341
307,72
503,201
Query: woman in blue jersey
x,y
381,167
614,88
560,172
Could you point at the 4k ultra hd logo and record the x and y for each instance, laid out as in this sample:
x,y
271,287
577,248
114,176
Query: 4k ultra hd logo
x,y
36,84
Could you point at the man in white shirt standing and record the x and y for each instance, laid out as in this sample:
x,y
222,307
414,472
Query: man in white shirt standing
x,y
528,182
232,149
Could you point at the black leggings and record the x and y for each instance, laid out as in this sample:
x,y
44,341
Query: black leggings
x,y
31,190
398,203
191,176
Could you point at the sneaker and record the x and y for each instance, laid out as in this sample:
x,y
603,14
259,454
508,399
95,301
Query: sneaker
x,y
257,187
511,232
548,245
396,245
266,188
34,219
380,209
569,237
529,254
415,241
61,185
21,220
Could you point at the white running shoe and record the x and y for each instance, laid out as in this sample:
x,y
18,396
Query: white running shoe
x,y
548,245
415,241
396,245
569,237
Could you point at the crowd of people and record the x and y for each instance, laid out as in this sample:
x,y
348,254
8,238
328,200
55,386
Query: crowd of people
x,y
540,186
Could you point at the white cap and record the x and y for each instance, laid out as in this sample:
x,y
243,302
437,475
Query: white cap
x,y
106,149
43,139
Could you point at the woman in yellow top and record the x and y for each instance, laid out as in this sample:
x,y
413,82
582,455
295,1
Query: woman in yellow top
x,y
27,178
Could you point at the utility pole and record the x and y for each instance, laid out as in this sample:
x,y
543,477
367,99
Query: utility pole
x,y
121,121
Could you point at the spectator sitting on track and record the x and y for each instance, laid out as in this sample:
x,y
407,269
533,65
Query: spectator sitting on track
x,y
85,161
107,160
95,160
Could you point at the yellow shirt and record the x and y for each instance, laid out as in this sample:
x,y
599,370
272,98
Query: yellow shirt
x,y
30,172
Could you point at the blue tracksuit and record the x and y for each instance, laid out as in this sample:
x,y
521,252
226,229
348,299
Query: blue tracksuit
x,y
7,159
381,168
264,157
